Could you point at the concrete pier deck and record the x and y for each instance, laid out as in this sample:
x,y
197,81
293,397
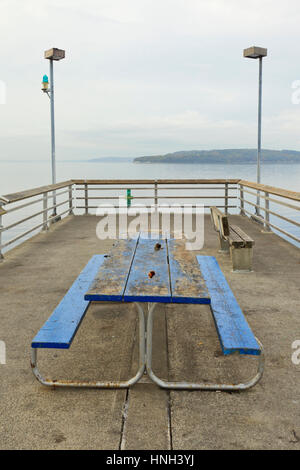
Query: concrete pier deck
x,y
33,279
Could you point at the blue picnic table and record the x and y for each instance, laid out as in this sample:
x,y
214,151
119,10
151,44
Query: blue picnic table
x,y
149,270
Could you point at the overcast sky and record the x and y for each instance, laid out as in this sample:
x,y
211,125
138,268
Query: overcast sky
x,y
145,77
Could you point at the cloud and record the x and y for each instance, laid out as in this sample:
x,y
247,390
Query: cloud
x,y
148,75
159,134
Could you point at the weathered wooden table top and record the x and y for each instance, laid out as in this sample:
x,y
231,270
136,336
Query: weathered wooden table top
x,y
148,270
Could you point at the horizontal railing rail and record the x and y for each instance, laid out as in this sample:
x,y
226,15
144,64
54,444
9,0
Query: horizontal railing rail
x,y
272,190
158,181
86,195
14,197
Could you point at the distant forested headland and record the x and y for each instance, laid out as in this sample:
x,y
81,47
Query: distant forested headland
x,y
230,156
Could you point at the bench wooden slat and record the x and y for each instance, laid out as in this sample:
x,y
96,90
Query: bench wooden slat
x,y
60,329
140,287
110,282
187,283
234,239
248,241
232,327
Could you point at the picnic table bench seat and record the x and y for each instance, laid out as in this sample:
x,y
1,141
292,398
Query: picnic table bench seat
x,y
234,240
60,329
234,333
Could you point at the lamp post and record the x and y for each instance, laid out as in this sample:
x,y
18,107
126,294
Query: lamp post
x,y
258,53
51,55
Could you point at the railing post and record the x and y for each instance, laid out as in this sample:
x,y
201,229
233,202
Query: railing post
x,y
242,212
86,199
257,210
226,198
155,195
267,214
45,213
71,200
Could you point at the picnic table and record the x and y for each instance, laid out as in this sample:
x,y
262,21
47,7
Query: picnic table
x,y
148,271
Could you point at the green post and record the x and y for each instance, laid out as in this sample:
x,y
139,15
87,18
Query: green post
x,y
129,197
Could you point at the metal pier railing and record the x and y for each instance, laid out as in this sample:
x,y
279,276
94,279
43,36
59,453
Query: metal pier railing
x,y
24,213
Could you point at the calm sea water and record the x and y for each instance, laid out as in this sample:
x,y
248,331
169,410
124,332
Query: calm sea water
x,y
17,176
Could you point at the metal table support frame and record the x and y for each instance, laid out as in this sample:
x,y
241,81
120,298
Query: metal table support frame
x,y
189,385
145,364
98,384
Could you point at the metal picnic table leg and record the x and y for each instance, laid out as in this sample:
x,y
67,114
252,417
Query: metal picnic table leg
x,y
189,385
97,384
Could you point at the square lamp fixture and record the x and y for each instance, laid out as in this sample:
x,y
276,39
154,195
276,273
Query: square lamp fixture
x,y
255,52
55,54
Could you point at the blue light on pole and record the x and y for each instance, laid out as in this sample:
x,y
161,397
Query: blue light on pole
x,y
45,83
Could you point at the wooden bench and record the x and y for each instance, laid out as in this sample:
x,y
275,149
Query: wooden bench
x,y
234,240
